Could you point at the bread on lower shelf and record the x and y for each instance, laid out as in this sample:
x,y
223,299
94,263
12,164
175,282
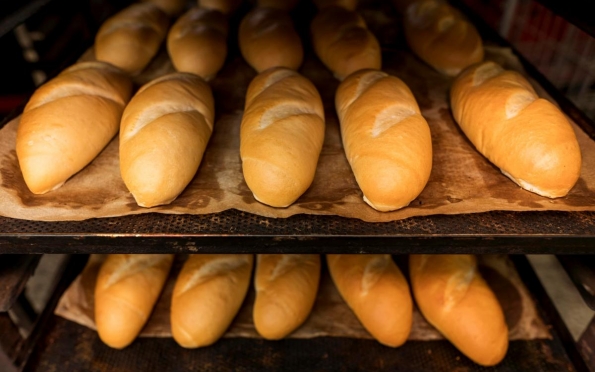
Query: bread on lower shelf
x,y
286,286
127,288
454,298
208,294
377,292
527,137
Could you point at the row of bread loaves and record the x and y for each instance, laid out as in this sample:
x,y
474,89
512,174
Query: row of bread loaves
x,y
390,154
210,289
207,295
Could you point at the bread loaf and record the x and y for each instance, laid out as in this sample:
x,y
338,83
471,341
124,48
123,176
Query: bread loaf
x,y
171,7
267,39
68,121
208,293
455,299
386,140
224,6
132,37
277,4
281,136
197,42
441,36
127,288
165,130
527,137
286,286
347,4
377,292
343,43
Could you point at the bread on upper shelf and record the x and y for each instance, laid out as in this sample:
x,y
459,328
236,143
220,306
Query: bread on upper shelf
x,y
197,42
527,137
281,136
343,42
386,139
439,35
268,39
131,38
68,121
164,132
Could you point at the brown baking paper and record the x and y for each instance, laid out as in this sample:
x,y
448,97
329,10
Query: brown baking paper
x,y
462,180
330,315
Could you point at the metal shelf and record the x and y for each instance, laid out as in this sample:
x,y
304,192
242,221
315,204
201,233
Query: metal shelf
x,y
238,232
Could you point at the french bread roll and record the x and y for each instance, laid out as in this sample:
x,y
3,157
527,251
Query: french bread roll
x,y
171,7
197,42
224,6
286,286
343,43
68,121
347,4
207,296
375,289
127,288
267,39
277,4
281,136
132,37
386,139
164,132
455,299
527,137
441,36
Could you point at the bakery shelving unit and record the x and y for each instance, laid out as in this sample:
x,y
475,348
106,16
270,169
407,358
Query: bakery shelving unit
x,y
57,344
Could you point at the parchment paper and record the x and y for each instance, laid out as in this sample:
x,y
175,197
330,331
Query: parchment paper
x,y
330,315
462,180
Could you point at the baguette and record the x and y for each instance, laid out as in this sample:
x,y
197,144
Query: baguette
x,y
286,286
197,42
455,299
439,35
346,4
208,294
164,132
68,121
128,286
224,6
527,137
267,39
171,7
387,142
281,136
377,292
132,37
343,43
